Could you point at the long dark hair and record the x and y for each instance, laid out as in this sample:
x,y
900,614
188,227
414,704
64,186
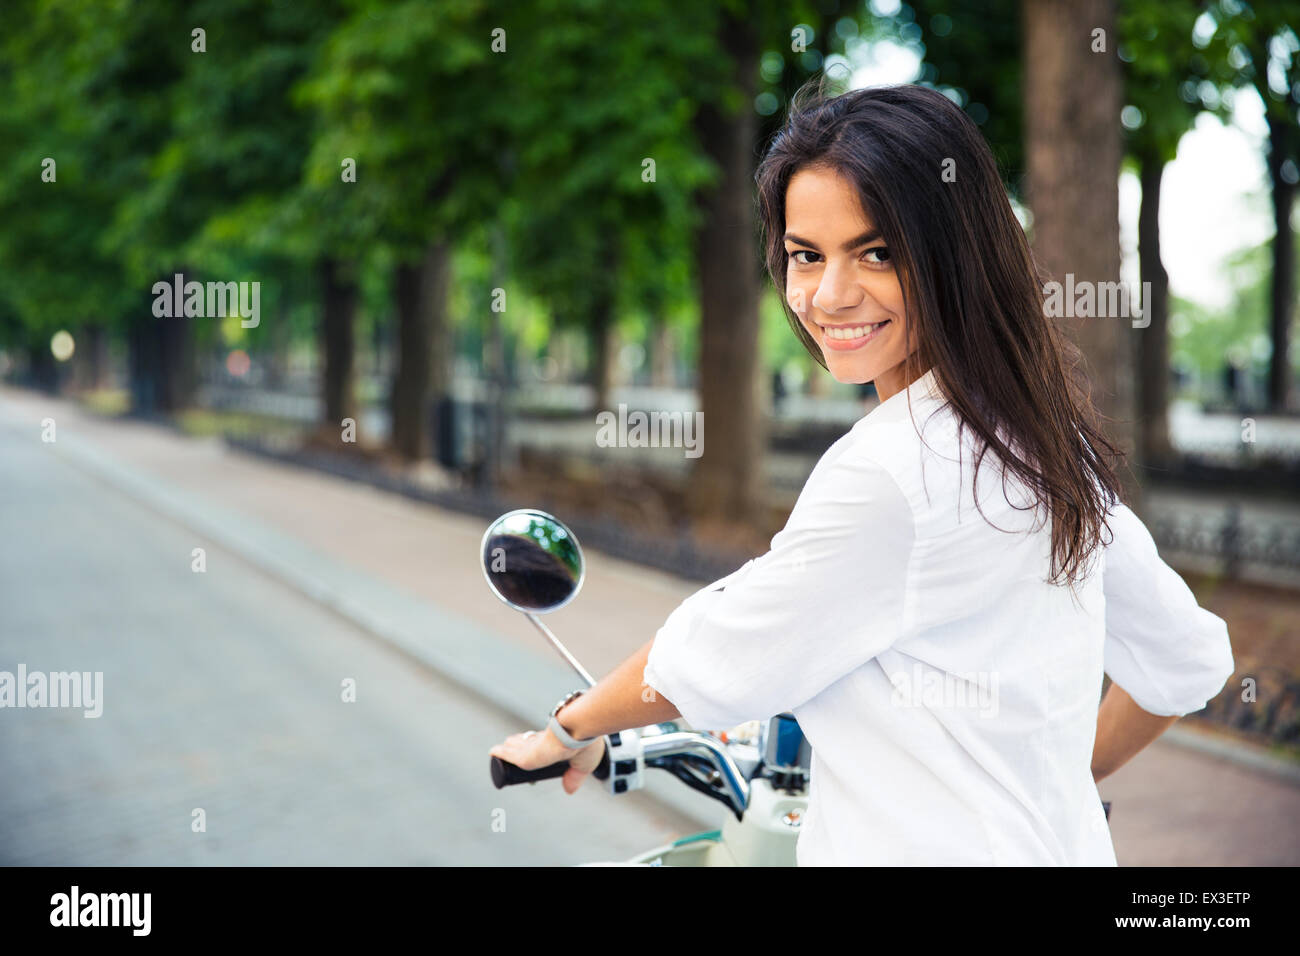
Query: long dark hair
x,y
972,291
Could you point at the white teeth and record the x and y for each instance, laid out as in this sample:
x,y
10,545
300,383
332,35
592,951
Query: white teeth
x,y
845,333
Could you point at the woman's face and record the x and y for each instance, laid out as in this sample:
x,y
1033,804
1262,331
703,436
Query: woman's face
x,y
841,282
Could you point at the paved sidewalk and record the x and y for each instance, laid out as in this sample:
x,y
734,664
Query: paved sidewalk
x,y
1172,804
1175,806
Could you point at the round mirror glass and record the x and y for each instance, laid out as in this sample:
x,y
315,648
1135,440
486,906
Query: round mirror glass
x,y
531,561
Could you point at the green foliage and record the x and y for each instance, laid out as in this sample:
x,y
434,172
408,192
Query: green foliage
x,y
413,93
227,163
599,92
1204,338
62,88
970,51
1163,73
1256,45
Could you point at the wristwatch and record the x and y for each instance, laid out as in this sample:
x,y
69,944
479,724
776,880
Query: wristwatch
x,y
560,733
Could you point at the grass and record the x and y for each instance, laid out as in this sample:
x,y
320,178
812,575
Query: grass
x,y
206,422
196,422
107,401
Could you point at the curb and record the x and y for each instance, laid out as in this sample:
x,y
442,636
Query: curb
x,y
1235,751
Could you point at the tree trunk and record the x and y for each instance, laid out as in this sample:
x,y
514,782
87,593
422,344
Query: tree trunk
x,y
1282,300
143,362
603,336
279,343
42,370
410,390
155,354
161,361
602,351
661,354
819,381
1073,147
726,483
1153,341
176,351
561,349
494,363
421,299
91,358
338,341
435,289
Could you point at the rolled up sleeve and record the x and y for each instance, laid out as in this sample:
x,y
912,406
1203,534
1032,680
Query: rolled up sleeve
x,y
826,598
1169,654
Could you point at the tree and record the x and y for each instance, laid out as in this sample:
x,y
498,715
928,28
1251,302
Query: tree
x,y
1261,47
972,50
426,132
85,88
1073,90
1162,71
727,482
606,163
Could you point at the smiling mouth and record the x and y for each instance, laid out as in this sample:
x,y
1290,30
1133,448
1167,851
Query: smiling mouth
x,y
850,337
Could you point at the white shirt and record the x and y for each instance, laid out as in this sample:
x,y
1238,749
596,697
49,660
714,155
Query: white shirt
x,y
948,691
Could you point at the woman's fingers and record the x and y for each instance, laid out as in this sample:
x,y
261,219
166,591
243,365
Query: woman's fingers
x,y
514,750
530,750
572,779
533,749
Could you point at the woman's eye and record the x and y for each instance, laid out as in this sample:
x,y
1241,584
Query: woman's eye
x,y
880,253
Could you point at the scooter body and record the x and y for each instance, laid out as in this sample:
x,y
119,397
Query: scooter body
x,y
765,837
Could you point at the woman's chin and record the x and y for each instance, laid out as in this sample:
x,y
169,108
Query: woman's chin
x,y
846,375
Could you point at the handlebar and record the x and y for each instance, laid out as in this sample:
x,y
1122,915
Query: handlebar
x,y
673,751
508,775
734,786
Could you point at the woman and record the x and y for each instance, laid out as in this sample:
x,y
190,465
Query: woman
x,y
958,571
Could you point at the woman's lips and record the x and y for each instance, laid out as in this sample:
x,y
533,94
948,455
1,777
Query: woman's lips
x,y
848,345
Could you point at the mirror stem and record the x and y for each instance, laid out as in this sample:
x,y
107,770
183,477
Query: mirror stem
x,y
564,651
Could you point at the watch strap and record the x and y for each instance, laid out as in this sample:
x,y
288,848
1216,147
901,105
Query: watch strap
x,y
562,735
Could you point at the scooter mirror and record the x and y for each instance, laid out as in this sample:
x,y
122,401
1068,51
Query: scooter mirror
x,y
531,561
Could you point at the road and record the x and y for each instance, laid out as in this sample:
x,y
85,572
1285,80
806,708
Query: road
x,y
222,691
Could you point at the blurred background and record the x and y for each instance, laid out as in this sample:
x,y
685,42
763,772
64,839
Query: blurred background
x,y
471,228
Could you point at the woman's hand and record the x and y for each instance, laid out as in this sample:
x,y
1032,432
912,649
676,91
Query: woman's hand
x,y
535,749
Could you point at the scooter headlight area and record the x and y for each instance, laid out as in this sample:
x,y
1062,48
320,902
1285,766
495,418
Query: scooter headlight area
x,y
533,563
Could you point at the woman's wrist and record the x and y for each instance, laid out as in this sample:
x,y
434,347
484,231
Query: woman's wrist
x,y
615,703
570,718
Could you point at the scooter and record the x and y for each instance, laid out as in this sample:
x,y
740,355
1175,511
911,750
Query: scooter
x,y
759,770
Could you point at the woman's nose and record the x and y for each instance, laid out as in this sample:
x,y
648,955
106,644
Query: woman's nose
x,y
837,291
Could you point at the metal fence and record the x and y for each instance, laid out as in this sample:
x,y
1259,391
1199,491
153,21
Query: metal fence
x,y
1229,540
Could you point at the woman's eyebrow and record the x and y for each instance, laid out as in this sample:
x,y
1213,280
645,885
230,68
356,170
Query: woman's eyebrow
x,y
871,235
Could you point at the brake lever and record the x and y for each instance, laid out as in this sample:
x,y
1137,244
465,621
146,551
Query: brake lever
x,y
684,768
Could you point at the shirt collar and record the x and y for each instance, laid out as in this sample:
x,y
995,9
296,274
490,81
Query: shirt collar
x,y
925,387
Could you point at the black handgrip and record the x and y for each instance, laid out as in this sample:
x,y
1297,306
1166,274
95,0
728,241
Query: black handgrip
x,y
507,774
